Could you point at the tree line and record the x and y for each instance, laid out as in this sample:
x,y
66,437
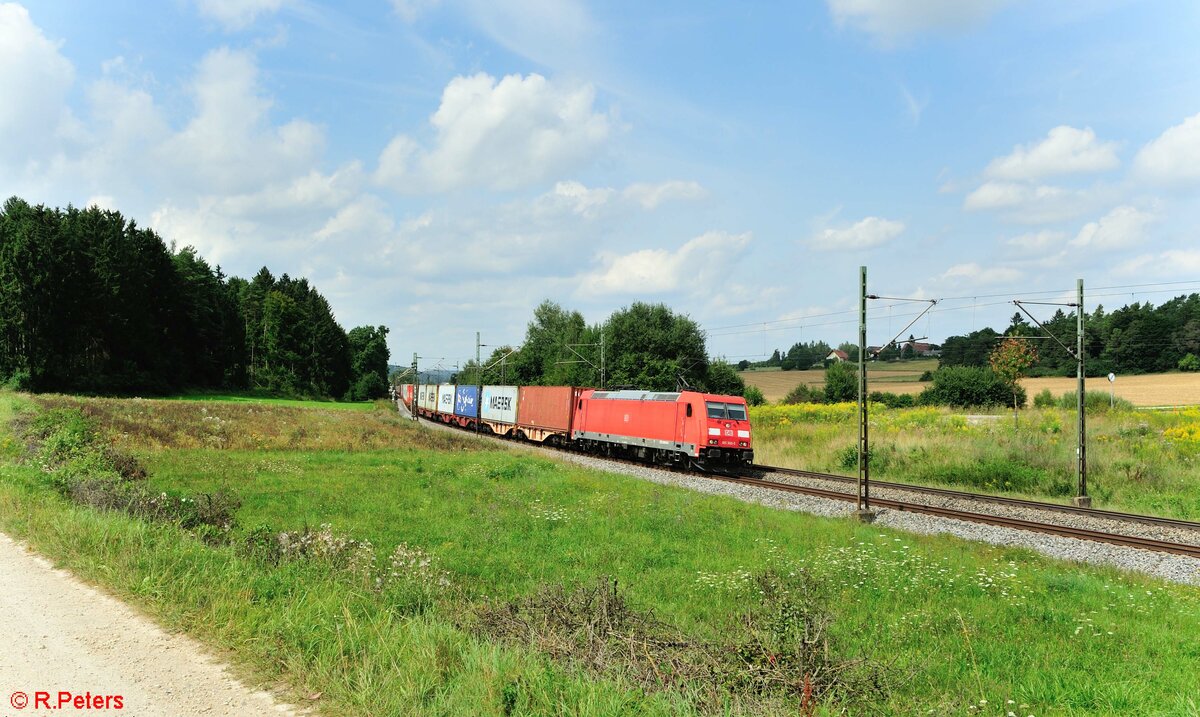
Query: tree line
x,y
90,302
1137,338
645,346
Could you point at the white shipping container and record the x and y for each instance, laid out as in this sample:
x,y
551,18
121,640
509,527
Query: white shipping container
x,y
445,398
428,398
499,403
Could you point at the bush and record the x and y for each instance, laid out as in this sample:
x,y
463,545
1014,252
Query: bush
x,y
969,386
893,400
926,377
804,394
1189,363
841,383
754,396
19,381
1094,402
1045,399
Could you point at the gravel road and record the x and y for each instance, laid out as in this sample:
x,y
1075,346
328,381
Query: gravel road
x,y
60,635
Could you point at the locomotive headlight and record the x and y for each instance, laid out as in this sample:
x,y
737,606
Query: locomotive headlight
x,y
743,444
712,441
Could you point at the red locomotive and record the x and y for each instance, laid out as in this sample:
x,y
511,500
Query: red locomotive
x,y
686,427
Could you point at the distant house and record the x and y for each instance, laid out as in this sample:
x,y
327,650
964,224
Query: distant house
x,y
837,355
923,349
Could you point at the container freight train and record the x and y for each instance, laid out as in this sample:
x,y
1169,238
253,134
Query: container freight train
x,y
686,427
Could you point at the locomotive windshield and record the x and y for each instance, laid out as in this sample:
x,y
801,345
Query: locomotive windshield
x,y
735,411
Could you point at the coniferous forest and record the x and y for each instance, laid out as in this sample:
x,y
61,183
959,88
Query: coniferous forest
x,y
90,302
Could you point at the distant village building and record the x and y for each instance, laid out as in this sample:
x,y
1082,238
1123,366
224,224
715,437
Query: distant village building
x,y
837,355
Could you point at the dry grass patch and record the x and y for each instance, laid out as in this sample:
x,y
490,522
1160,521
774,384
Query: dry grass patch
x,y
139,424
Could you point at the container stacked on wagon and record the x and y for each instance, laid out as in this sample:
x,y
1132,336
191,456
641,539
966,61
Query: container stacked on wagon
x,y
679,427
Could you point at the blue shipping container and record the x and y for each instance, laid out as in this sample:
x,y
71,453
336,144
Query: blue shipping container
x,y
466,401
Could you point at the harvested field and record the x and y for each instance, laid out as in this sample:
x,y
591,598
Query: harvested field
x,y
1159,389
1155,389
898,377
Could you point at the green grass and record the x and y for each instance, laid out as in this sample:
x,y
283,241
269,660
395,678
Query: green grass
x,y
954,622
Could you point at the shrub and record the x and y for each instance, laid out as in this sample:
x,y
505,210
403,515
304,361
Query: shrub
x,y
926,377
893,400
1045,399
969,386
804,394
19,381
1094,402
754,396
841,383
1189,363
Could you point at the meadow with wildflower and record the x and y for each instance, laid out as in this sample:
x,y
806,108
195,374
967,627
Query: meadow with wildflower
x,y
1138,461
355,571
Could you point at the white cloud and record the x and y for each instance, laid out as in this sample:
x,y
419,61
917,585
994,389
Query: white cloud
x,y
1121,228
503,135
1038,241
237,14
34,80
1030,204
581,200
230,146
1176,262
1174,156
863,234
888,20
692,267
651,196
364,218
1066,150
974,274
410,10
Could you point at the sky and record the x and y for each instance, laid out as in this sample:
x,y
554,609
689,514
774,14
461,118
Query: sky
x,y
440,167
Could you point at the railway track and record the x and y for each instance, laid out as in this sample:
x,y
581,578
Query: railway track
x,y
985,498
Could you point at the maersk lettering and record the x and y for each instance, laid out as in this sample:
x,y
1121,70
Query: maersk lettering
x,y
500,403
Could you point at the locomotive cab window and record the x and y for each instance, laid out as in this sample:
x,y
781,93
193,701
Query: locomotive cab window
x,y
736,411
689,410
715,410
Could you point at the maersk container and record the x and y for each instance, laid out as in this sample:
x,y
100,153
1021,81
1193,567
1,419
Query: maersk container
x,y
466,401
499,404
428,397
544,412
445,398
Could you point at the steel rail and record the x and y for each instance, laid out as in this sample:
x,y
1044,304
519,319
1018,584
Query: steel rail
x,y
997,499
1132,541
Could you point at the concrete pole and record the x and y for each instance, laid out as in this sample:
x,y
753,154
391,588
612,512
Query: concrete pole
x,y
864,511
1083,499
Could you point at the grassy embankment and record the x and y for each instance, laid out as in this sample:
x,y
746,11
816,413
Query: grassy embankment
x,y
942,626
1143,461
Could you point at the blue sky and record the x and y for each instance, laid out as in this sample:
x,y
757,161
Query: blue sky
x,y
441,166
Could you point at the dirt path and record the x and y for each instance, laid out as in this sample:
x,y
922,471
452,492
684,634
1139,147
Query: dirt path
x,y
59,635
